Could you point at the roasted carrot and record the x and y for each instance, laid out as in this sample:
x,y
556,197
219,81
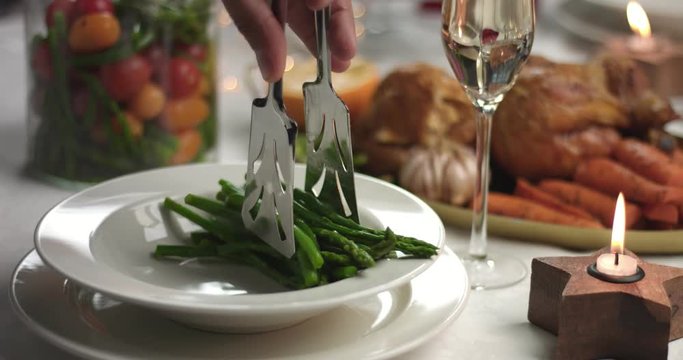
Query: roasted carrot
x,y
517,207
665,213
649,162
611,178
528,191
596,203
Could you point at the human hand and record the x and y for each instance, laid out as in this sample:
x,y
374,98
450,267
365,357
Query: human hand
x,y
265,35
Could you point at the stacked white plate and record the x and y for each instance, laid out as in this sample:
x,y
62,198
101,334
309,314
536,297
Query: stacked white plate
x,y
111,299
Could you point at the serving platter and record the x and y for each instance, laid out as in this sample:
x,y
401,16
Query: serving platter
x,y
638,241
89,324
103,238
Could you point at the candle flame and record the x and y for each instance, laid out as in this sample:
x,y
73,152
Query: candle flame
x,y
637,19
619,226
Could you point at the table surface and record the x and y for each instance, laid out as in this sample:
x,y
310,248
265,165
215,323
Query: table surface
x,y
494,323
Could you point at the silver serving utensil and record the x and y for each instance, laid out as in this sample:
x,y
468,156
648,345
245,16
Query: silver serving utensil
x,y
270,167
329,165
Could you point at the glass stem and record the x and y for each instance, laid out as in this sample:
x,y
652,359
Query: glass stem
x,y
478,239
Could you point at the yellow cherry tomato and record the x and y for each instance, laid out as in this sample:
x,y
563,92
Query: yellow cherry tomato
x,y
134,124
183,114
148,102
189,144
94,32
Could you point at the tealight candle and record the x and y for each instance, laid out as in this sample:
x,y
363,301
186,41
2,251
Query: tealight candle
x,y
616,263
641,40
660,58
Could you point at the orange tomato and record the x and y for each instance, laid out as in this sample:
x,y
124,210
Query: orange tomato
x,y
189,144
184,114
94,32
356,87
148,102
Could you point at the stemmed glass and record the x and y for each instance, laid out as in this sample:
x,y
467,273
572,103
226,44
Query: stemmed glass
x,y
487,42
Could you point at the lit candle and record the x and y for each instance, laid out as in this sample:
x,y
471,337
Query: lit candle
x,y
616,263
642,40
660,58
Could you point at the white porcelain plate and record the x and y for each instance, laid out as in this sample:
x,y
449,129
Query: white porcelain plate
x,y
103,238
93,326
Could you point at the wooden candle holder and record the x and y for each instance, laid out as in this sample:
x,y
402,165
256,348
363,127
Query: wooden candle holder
x,y
593,318
662,65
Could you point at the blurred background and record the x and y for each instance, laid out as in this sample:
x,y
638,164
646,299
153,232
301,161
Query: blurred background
x,y
390,33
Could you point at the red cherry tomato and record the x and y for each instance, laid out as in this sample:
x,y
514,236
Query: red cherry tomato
x,y
157,57
41,61
123,79
66,7
184,77
196,52
84,7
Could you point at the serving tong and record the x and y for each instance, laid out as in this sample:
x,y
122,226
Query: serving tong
x,y
270,166
329,165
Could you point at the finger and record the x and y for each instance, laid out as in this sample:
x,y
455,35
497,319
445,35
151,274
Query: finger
x,y
340,34
263,32
317,4
340,65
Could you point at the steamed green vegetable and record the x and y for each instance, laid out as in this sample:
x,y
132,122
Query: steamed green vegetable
x,y
329,247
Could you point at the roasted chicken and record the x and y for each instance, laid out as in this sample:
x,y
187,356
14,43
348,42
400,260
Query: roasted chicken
x,y
557,114
415,105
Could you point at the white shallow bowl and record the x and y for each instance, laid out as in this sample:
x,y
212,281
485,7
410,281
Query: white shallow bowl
x,y
103,238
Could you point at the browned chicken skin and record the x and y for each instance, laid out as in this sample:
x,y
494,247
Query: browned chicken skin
x,y
418,104
557,114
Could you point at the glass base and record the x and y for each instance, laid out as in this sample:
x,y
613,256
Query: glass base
x,y
494,271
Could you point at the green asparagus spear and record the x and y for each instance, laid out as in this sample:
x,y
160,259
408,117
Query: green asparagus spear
x,y
346,246
306,245
343,272
185,251
335,258
315,205
359,256
383,247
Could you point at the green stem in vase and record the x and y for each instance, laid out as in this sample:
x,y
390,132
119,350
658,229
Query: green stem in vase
x,y
57,42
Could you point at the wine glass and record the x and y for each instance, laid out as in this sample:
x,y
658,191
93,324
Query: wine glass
x,y
487,42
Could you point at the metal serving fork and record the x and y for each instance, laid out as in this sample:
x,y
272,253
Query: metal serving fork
x,y
270,167
329,165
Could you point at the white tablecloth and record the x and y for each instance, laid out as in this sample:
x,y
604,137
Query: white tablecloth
x,y
493,325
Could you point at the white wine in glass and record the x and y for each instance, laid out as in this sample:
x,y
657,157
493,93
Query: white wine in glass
x,y
487,42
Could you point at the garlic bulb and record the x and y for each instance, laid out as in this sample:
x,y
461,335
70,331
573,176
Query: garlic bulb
x,y
441,174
